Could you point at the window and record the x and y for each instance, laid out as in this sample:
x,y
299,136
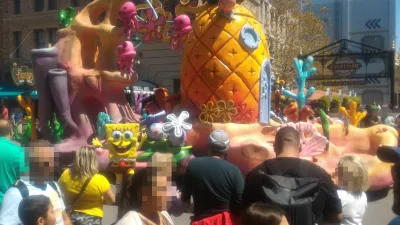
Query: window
x,y
376,41
17,43
75,3
39,5
177,85
17,7
52,35
52,4
39,39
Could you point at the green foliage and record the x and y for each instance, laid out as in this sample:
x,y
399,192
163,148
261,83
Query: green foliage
x,y
357,100
56,130
302,31
346,102
325,103
164,146
336,102
25,137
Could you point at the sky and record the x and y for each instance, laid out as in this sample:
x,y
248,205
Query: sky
x,y
397,25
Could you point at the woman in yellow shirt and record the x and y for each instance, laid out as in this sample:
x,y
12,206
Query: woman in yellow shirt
x,y
86,207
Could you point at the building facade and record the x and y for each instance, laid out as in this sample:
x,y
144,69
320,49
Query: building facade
x,y
161,66
371,23
368,22
25,25
29,24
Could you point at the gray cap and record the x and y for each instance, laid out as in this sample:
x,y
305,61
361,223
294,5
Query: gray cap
x,y
219,137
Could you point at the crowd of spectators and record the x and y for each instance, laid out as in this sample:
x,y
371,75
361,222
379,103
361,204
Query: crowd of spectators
x,y
280,191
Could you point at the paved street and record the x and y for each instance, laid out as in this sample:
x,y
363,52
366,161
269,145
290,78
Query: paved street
x,y
378,213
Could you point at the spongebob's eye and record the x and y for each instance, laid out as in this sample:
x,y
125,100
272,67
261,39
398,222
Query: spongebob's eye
x,y
128,134
116,135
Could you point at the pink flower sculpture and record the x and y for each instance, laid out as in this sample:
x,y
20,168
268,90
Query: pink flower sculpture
x,y
126,54
151,25
310,146
127,15
182,29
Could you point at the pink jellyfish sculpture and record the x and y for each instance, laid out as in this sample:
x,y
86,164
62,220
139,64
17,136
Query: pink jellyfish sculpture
x,y
126,54
127,15
182,29
226,7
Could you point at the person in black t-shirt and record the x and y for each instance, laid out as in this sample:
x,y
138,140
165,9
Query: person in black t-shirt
x,y
215,184
287,148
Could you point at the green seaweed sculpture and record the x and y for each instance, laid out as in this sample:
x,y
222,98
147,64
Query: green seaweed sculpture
x,y
168,137
66,16
25,137
56,129
164,146
325,126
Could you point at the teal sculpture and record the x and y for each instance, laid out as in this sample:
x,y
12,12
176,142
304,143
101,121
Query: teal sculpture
x,y
303,72
25,137
57,131
103,119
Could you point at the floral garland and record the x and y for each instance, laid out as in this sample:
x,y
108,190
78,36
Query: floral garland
x,y
226,111
244,115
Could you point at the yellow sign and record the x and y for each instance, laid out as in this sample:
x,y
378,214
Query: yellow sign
x,y
23,75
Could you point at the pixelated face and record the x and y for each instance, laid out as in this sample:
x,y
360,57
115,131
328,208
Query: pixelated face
x,y
122,139
158,192
345,173
396,188
42,161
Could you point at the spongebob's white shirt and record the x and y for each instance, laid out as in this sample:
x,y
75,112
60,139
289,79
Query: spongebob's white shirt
x,y
12,198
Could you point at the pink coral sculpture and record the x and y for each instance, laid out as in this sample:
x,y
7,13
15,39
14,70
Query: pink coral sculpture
x,y
310,146
151,25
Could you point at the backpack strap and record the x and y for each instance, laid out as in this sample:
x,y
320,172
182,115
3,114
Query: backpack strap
x,y
55,187
22,188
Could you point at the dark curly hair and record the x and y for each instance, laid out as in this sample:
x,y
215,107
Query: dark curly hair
x,y
260,214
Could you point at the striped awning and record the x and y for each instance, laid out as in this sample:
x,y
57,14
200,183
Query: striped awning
x,y
14,92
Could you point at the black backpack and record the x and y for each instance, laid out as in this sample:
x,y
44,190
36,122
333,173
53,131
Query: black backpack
x,y
23,189
295,195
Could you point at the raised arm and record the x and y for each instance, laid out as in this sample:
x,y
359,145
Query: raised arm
x,y
109,197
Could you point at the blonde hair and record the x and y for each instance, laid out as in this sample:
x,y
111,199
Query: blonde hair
x,y
162,163
354,175
86,164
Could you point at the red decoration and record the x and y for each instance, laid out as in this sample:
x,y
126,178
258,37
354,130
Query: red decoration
x,y
122,163
163,101
244,114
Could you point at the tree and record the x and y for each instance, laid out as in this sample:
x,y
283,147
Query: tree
x,y
301,32
397,74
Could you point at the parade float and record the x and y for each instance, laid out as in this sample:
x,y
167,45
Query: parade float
x,y
226,83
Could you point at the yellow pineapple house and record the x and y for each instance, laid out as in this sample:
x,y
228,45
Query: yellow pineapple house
x,y
221,65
